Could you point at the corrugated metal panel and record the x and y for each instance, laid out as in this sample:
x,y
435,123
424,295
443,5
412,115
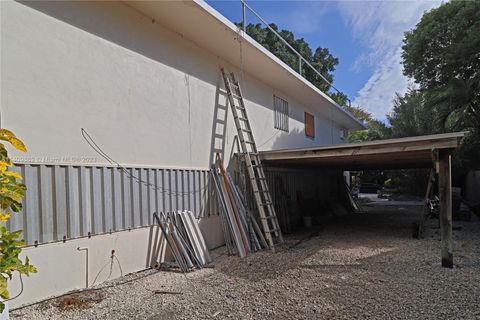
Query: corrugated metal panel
x,y
284,184
66,202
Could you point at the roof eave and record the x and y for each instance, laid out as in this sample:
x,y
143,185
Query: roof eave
x,y
205,6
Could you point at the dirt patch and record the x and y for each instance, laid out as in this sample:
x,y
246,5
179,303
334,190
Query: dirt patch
x,y
79,300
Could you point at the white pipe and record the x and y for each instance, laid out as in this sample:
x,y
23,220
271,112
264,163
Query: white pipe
x,y
86,263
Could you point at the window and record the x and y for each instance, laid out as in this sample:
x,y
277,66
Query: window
x,y
280,109
309,125
343,134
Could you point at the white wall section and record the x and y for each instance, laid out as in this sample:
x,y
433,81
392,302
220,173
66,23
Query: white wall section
x,y
147,95
152,100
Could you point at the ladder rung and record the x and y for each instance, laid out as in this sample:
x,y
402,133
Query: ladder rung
x,y
263,198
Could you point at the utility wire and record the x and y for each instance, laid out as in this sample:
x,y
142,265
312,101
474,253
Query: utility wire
x,y
91,142
21,290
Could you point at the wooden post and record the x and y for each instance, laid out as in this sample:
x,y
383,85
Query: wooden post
x,y
445,193
423,216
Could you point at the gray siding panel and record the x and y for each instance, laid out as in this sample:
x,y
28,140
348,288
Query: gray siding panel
x,y
127,199
60,202
46,200
30,206
97,201
108,198
144,197
16,220
152,204
135,189
117,203
72,201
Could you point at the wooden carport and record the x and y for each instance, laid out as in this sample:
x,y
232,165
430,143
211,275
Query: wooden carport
x,y
432,151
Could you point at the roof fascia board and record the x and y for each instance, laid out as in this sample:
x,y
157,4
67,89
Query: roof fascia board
x,y
440,141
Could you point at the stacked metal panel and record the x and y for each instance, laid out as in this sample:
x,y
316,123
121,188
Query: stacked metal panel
x,y
184,239
241,231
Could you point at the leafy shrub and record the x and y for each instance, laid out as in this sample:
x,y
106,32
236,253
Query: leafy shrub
x,y
11,195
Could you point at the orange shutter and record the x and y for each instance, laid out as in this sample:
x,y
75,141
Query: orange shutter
x,y
309,125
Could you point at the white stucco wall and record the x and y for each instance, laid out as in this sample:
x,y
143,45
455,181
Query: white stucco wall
x,y
62,267
146,95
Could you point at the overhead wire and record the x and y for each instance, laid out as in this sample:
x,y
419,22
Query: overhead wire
x,y
21,290
91,142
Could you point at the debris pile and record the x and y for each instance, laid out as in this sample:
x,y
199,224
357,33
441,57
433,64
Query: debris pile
x,y
184,239
242,232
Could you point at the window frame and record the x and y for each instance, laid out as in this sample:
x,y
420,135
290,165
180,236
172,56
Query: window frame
x,y
281,114
309,121
343,134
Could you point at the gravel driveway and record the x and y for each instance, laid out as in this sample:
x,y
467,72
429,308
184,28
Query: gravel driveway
x,y
364,267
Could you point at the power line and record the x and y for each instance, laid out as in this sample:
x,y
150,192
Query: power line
x,y
91,142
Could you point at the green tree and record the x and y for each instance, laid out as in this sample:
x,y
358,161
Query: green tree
x,y
322,60
410,116
376,130
442,54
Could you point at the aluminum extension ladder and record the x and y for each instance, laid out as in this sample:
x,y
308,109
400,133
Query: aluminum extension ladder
x,y
262,196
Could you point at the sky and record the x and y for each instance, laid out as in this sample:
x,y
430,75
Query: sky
x,y
366,37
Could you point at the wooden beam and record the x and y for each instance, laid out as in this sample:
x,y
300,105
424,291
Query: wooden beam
x,y
444,161
410,144
348,151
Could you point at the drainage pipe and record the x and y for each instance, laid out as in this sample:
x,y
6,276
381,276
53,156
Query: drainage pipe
x,y
86,263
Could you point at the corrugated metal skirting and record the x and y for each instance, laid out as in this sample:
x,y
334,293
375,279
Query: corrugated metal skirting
x,y
285,184
67,202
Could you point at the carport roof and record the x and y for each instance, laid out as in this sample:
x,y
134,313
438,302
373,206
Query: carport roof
x,y
402,153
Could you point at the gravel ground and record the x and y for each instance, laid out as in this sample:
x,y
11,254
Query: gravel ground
x,y
364,267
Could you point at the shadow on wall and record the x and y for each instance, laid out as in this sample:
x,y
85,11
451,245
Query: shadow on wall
x,y
117,23
285,140
108,19
220,118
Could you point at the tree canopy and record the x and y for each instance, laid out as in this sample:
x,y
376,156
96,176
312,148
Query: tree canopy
x,y
325,63
445,45
410,117
442,55
321,59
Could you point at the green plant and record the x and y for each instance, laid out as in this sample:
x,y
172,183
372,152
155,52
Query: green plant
x,y
11,194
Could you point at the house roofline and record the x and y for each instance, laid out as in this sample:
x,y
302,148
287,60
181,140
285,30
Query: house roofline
x,y
209,9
